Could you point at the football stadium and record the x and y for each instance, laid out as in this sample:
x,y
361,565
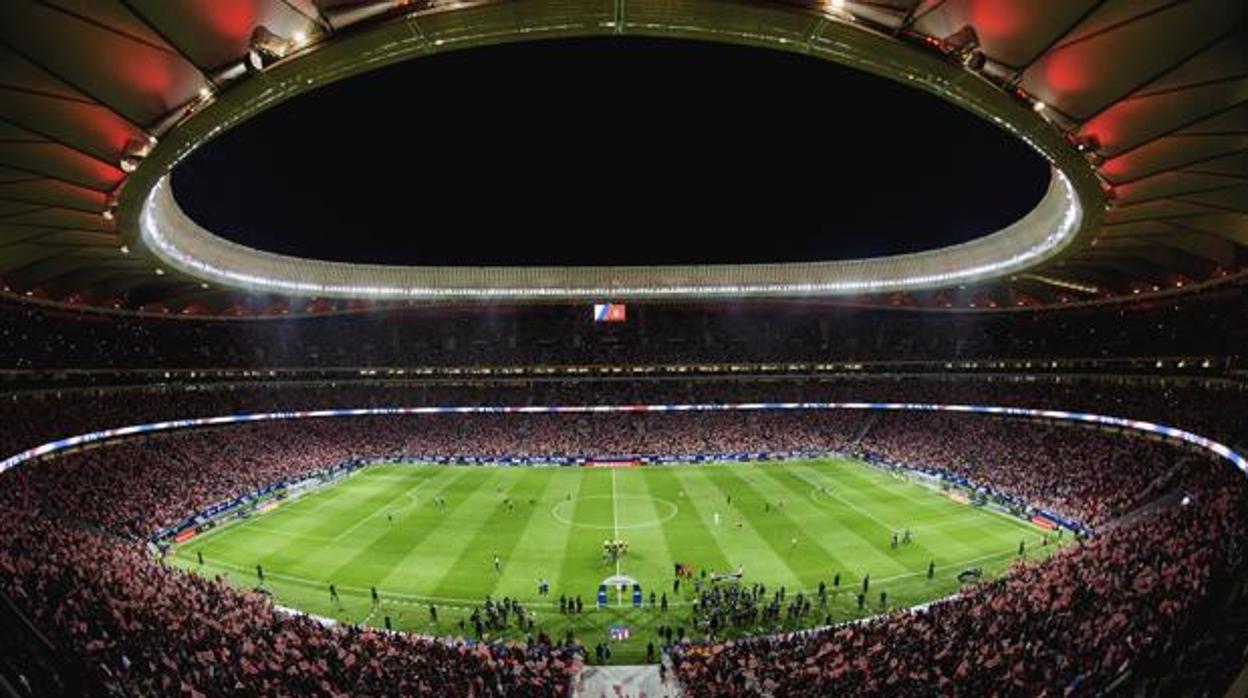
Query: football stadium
x,y
623,348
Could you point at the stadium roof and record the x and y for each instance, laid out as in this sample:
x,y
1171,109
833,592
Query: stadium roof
x,y
100,97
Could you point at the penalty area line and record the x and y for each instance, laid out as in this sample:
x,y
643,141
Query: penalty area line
x,y
368,517
400,598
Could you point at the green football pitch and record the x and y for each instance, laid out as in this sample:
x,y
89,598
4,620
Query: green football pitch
x,y
789,524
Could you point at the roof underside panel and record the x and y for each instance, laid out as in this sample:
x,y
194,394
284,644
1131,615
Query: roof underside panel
x,y
1171,183
51,192
94,129
214,33
61,162
1210,108
138,80
1084,76
1159,87
1013,32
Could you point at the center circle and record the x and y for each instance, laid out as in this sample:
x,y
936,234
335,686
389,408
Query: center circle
x,y
665,510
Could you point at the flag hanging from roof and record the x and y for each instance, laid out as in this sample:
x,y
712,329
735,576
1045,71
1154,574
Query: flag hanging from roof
x,y
609,312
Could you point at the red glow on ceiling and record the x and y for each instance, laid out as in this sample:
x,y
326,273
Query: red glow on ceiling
x,y
997,19
105,128
1075,74
149,76
1116,168
1064,73
1113,126
103,173
1105,129
232,19
1128,192
77,167
113,131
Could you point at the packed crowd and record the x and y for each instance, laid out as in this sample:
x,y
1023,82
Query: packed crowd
x,y
148,630
134,488
1085,475
68,561
1067,626
32,419
1088,477
988,452
34,336
71,560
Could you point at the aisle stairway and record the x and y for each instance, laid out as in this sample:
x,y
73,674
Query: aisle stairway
x,y
639,681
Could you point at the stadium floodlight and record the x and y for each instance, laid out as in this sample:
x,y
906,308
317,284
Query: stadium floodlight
x,y
975,60
1090,146
265,48
961,42
1085,143
134,151
110,209
963,45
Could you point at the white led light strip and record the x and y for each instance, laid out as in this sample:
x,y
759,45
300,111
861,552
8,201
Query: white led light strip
x,y
1062,283
186,246
1218,449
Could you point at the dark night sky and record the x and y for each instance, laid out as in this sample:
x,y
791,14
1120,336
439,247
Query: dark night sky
x,y
609,151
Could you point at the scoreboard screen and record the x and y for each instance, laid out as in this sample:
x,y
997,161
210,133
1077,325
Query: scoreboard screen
x,y
610,312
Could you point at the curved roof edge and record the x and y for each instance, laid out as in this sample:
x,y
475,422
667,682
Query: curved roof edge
x,y
152,223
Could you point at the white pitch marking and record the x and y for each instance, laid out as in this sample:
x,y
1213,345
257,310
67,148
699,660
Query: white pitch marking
x,y
392,597
364,519
555,513
615,517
